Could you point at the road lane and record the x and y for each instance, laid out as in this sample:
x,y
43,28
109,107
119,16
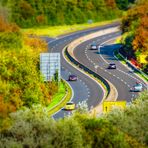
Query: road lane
x,y
119,77
81,87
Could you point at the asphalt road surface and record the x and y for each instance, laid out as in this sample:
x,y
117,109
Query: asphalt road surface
x,y
85,88
122,77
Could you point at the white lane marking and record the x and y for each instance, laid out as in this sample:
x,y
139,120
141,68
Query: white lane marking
x,y
131,76
87,75
120,62
72,96
100,49
51,41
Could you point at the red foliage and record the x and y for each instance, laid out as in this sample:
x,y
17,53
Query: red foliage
x,y
134,62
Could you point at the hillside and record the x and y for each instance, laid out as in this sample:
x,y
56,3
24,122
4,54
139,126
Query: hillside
x,y
29,13
118,129
20,79
135,33
24,96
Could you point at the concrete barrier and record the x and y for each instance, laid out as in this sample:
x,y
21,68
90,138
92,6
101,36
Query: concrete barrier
x,y
112,93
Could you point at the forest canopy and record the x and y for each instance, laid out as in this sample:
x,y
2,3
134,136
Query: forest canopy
x,y
28,13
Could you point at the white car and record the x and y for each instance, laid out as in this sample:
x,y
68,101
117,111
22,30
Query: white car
x,y
93,46
137,87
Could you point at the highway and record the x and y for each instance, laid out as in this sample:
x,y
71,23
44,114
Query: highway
x,y
86,88
121,77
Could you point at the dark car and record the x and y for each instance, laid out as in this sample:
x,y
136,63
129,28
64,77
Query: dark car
x,y
73,78
112,66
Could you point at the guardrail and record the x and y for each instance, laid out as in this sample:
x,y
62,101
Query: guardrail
x,y
132,66
80,65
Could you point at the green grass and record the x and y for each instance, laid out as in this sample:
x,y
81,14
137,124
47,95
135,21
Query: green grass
x,y
119,57
53,31
144,77
58,106
58,96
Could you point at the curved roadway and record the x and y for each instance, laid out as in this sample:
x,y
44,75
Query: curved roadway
x,y
121,77
86,88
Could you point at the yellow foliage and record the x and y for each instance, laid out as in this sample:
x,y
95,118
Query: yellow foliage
x,y
36,44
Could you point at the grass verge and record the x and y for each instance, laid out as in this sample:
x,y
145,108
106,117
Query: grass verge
x,y
119,57
58,96
60,99
123,61
53,31
144,77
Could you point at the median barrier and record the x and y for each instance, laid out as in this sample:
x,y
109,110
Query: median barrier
x,y
112,93
80,65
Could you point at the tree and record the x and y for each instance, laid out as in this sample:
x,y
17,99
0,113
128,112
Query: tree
x,y
122,4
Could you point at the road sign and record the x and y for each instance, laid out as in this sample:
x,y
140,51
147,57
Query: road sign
x,y
109,105
49,65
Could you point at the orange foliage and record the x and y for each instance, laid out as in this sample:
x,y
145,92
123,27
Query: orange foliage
x,y
134,14
40,19
111,3
26,9
45,91
6,27
3,25
5,108
141,37
36,44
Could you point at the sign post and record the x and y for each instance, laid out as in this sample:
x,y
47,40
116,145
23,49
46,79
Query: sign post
x,y
109,105
50,65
